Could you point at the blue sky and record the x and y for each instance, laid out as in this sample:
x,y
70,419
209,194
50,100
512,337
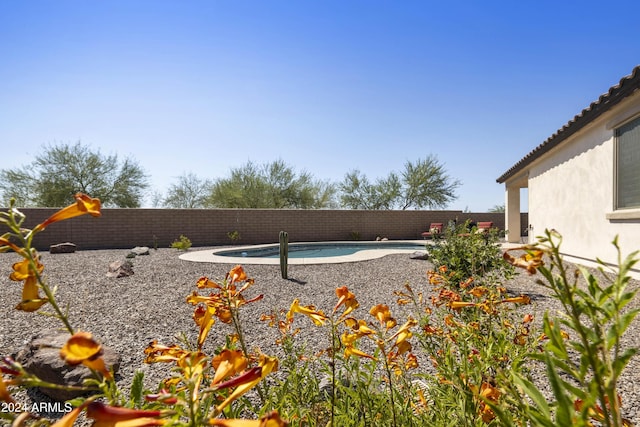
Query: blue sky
x,y
327,86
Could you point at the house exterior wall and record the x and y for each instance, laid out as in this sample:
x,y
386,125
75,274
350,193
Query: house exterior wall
x,y
571,190
126,228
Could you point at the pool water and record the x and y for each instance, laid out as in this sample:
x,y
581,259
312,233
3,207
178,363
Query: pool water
x,y
318,250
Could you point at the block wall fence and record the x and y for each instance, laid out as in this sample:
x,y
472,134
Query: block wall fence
x,y
126,228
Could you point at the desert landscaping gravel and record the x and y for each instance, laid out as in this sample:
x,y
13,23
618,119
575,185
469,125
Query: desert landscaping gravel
x,y
127,313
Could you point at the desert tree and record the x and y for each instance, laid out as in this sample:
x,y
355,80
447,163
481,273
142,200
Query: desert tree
x,y
271,185
422,184
59,171
188,192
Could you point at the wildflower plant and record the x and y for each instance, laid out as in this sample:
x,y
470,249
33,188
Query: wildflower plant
x,y
203,389
582,351
470,331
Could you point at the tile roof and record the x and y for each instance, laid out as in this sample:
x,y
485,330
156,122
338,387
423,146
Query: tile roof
x,y
627,86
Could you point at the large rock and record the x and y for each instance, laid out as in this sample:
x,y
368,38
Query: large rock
x,y
62,248
41,357
419,255
122,268
137,251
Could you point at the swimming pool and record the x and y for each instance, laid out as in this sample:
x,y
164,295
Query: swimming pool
x,y
307,253
317,250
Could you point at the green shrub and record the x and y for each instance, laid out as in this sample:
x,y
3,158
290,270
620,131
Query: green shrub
x,y
183,244
468,253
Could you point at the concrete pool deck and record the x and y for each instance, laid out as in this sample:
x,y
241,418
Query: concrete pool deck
x,y
209,255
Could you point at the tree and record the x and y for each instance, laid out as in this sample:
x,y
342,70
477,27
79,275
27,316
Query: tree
x,y
272,185
424,183
497,209
62,170
189,192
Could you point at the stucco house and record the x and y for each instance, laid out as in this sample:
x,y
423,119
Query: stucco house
x,y
584,180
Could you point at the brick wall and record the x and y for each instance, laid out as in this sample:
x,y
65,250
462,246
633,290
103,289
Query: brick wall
x,y
125,228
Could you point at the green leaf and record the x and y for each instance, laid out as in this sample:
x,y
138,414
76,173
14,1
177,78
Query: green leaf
x,y
536,396
137,388
623,359
565,405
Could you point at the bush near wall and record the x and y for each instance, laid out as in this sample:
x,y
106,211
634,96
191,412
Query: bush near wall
x,y
125,228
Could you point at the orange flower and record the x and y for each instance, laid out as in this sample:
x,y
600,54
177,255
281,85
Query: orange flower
x,y
457,305
82,348
69,418
204,282
466,283
237,274
114,416
521,299
383,314
530,261
478,291
203,316
5,396
228,363
158,353
84,205
248,380
348,299
5,245
317,316
491,394
435,278
269,420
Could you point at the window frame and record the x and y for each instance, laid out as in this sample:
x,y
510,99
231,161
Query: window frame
x,y
621,213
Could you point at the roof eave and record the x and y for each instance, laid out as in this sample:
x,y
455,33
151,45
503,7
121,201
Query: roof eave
x,y
627,86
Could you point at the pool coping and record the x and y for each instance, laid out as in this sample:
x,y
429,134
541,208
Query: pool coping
x,y
209,255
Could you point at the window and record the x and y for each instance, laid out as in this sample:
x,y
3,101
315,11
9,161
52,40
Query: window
x,y
628,165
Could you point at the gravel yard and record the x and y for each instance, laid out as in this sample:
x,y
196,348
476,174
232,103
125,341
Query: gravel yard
x,y
127,313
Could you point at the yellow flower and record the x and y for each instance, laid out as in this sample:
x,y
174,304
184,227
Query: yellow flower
x,y
269,420
317,316
349,341
84,205
82,348
404,333
383,314
31,300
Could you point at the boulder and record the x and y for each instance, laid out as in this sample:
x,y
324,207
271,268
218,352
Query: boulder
x,y
122,268
41,357
419,255
140,250
62,248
